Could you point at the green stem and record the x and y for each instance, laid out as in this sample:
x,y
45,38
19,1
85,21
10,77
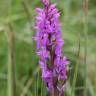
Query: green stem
x,y
85,42
76,68
11,64
11,55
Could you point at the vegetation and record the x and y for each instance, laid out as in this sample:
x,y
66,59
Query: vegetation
x,y
20,74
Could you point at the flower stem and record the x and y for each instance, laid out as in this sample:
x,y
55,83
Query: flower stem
x,y
11,64
55,93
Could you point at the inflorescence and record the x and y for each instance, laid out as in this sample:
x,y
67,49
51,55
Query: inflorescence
x,y
49,48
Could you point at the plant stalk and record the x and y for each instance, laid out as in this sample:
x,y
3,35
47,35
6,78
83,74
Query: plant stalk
x,y
11,64
85,10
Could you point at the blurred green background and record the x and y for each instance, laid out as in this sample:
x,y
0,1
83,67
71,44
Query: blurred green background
x,y
19,68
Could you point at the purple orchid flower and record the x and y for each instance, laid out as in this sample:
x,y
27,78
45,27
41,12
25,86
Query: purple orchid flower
x,y
49,48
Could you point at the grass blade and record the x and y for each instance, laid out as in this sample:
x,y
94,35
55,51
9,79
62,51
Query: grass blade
x,y
76,68
85,10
